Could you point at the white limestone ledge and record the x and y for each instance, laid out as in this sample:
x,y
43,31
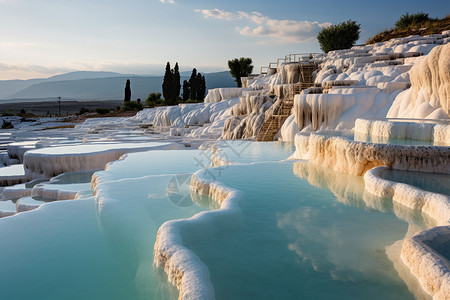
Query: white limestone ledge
x,y
49,162
356,158
435,205
425,263
183,267
430,267
27,204
7,208
12,175
436,131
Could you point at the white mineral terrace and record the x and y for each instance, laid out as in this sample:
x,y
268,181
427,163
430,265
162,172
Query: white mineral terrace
x,y
432,270
435,205
435,131
11,175
356,158
184,268
49,162
398,89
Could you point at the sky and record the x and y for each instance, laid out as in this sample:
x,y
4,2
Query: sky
x,y
42,38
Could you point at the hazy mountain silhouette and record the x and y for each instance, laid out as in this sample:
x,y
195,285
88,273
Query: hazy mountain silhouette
x,y
10,87
85,85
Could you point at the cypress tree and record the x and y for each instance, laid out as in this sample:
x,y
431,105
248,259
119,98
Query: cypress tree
x,y
127,91
167,85
176,83
202,89
193,85
198,90
186,91
171,85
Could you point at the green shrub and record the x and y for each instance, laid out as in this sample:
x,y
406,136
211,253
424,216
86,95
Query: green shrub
x,y
407,21
154,99
131,105
340,36
193,101
101,111
83,110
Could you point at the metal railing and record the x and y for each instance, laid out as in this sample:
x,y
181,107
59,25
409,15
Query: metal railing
x,y
281,61
301,57
272,65
292,58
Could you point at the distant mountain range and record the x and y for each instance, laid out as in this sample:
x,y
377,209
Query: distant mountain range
x,y
87,85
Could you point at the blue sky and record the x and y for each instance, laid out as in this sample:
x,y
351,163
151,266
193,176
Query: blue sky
x,y
41,38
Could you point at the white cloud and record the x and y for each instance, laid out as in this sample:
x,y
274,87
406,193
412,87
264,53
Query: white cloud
x,y
167,1
282,31
218,14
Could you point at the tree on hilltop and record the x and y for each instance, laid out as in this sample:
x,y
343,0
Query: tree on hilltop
x,y
241,67
407,21
340,36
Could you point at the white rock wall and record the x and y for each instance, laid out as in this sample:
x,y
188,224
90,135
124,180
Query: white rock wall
x,y
429,95
383,130
356,158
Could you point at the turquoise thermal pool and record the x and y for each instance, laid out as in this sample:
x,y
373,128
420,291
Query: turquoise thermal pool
x,y
88,249
299,240
432,182
303,228
242,151
88,149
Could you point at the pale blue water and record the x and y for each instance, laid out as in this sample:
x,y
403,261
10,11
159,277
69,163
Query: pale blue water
x,y
71,178
433,182
298,241
59,252
159,162
242,151
79,250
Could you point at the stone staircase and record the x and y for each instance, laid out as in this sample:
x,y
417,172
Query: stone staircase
x,y
274,123
306,71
